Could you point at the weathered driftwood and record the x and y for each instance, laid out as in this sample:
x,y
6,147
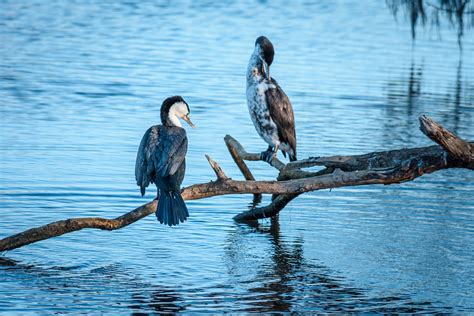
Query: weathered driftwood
x,y
455,146
385,167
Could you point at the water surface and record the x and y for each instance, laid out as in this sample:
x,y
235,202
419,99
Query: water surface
x,y
79,85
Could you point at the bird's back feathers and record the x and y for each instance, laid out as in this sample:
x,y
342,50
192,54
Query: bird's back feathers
x,y
161,153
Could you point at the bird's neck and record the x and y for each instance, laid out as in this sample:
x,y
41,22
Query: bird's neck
x,y
254,69
173,119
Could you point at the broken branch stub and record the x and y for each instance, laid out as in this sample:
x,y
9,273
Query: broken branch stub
x,y
458,149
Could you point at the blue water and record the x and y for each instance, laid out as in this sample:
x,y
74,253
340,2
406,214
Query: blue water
x,y
81,82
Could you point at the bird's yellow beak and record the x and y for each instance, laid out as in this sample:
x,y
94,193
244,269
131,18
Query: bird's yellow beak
x,y
188,120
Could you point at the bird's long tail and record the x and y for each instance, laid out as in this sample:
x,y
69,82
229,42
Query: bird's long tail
x,y
171,209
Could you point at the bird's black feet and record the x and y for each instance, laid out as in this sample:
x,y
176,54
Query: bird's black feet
x,y
267,155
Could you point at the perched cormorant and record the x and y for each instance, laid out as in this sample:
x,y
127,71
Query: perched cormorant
x,y
269,107
161,160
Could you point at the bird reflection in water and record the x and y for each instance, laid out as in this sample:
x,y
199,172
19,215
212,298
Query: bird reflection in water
x,y
284,281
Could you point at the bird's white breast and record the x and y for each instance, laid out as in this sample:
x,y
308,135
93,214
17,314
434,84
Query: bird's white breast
x,y
258,109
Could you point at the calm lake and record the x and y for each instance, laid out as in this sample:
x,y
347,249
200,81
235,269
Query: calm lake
x,y
81,82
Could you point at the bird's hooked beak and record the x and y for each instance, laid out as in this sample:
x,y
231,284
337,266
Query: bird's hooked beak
x,y
188,120
266,69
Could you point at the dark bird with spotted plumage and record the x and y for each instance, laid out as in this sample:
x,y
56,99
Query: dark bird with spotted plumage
x,y
270,109
161,160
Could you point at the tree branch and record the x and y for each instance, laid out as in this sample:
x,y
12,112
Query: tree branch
x,y
74,224
387,167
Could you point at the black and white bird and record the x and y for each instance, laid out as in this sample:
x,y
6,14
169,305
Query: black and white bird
x,y
269,107
161,160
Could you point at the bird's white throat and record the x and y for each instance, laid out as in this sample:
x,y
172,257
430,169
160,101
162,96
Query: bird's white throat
x,y
177,110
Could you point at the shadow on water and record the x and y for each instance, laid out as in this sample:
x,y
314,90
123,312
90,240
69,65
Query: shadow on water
x,y
101,285
286,282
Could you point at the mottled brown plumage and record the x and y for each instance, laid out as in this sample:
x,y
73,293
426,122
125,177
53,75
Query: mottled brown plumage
x,y
282,114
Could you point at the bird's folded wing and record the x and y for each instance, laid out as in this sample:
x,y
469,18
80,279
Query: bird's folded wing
x,y
172,152
281,112
144,165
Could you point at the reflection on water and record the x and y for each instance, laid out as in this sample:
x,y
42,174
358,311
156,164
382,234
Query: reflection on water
x,y
160,300
403,98
101,284
458,13
286,282
458,90
80,84
406,97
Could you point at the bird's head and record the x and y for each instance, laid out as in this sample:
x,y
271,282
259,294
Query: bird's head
x,y
173,109
265,51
